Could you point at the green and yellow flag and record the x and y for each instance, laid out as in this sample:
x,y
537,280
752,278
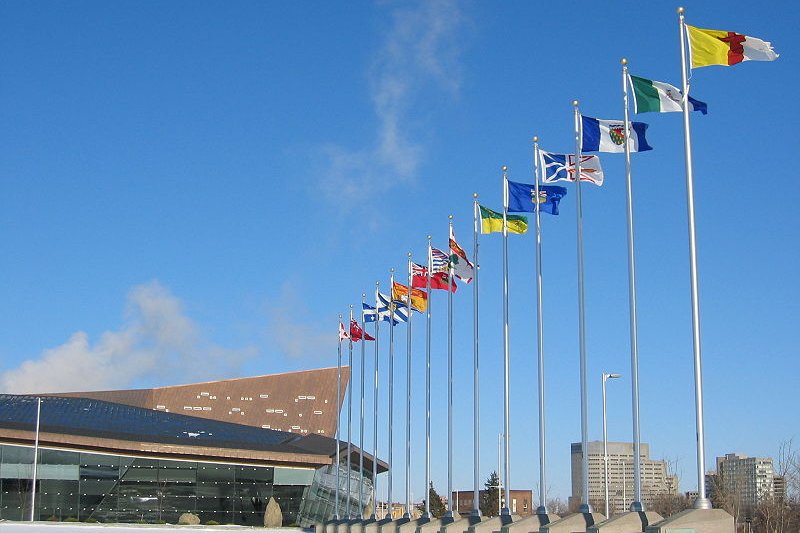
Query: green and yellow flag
x,y
492,222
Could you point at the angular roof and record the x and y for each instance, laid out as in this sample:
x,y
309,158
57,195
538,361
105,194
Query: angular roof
x,y
303,402
96,425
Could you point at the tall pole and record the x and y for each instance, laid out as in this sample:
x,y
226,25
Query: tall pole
x,y
499,483
542,509
702,502
606,377
361,424
407,514
391,394
476,415
636,505
428,389
338,423
374,515
586,506
35,457
349,415
506,358
451,501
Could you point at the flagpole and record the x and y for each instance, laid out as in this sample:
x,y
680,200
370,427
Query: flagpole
x,y
338,419
407,514
636,505
476,415
427,492
361,425
450,499
586,506
35,457
374,515
391,393
702,502
506,418
542,509
349,414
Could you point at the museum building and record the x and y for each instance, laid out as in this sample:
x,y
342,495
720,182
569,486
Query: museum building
x,y
94,460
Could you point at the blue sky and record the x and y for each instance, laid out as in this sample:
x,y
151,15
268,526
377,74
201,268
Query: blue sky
x,y
196,191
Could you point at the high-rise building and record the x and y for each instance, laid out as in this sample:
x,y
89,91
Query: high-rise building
x,y
748,480
656,479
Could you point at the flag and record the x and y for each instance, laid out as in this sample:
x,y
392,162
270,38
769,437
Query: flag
x,y
440,261
521,197
609,135
371,314
343,334
419,278
561,167
649,95
462,268
419,300
395,311
357,334
716,47
492,222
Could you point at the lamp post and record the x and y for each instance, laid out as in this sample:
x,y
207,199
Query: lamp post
x,y
606,377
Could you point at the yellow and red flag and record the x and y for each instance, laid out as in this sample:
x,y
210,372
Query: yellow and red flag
x,y
717,47
419,300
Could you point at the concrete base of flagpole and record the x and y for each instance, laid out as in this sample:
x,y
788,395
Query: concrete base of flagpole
x,y
360,526
626,522
493,524
332,526
530,524
411,525
573,523
431,526
700,520
454,524
375,527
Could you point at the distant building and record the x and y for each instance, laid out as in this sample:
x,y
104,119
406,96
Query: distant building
x,y
521,501
656,480
748,480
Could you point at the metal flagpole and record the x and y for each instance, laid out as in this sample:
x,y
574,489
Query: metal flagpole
x,y
542,509
636,505
427,492
476,510
407,514
35,457
450,499
338,420
391,390
506,418
586,506
349,413
702,502
374,515
361,425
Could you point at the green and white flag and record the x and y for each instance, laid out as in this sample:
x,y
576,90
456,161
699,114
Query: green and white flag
x,y
649,95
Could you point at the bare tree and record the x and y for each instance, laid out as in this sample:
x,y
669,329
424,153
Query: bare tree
x,y
557,506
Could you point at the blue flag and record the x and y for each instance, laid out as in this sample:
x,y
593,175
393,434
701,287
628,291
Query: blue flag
x,y
609,136
522,198
392,311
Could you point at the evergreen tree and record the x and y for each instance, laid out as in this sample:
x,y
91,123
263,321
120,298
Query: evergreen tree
x,y
438,508
490,497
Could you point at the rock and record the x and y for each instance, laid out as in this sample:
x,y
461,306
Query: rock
x,y
188,519
273,517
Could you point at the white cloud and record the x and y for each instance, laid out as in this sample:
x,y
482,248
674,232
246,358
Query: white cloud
x,y
156,341
420,48
295,334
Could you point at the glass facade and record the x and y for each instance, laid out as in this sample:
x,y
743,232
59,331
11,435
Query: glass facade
x,y
89,487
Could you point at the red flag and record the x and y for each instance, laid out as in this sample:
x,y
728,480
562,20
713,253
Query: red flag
x,y
419,279
357,334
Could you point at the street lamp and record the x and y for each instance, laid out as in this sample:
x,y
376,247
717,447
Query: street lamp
x,y
606,377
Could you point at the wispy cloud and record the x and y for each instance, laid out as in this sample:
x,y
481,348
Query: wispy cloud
x,y
295,334
420,49
157,341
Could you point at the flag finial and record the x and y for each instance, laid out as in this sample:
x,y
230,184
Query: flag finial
x,y
363,295
340,316
450,217
391,269
536,138
377,283
681,10
624,61
474,195
351,306
505,168
575,103
429,237
409,255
